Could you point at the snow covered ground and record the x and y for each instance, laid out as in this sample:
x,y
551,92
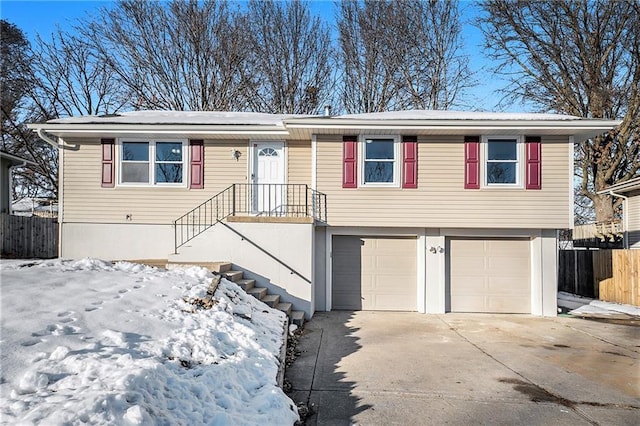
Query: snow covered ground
x,y
91,342
606,308
584,306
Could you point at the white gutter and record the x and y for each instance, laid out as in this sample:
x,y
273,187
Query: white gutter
x,y
54,143
157,128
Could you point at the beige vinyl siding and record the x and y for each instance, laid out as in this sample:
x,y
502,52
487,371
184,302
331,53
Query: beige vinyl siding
x,y
299,162
441,200
86,201
633,219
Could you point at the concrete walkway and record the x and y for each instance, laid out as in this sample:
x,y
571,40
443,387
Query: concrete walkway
x,y
387,368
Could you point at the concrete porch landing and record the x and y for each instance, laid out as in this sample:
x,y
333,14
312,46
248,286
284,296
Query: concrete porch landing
x,y
269,219
375,368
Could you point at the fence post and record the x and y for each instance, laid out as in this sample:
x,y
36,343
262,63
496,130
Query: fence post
x,y
575,272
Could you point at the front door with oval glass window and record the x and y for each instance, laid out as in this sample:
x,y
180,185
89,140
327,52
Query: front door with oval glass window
x,y
268,179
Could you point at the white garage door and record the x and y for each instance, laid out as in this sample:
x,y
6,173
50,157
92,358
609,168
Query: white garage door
x,y
490,275
373,273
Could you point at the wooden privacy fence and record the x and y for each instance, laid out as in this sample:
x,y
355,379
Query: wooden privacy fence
x,y
621,283
575,273
28,237
609,275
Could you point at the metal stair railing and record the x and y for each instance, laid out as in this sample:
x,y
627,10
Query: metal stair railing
x,y
284,200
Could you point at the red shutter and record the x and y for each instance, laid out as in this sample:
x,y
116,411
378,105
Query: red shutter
x,y
409,162
472,162
350,162
197,163
108,169
534,162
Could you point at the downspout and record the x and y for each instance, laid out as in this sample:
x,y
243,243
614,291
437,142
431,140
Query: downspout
x,y
60,199
61,146
54,143
625,218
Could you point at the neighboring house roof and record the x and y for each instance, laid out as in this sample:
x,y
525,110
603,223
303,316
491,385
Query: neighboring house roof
x,y
34,204
15,160
217,124
622,187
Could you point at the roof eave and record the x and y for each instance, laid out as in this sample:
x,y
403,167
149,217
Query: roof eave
x,y
17,160
69,130
622,187
328,122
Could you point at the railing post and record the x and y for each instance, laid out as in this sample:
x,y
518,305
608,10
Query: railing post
x,y
175,237
233,200
324,202
306,200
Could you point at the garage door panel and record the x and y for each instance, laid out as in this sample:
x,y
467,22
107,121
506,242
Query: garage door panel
x,y
468,303
490,275
469,263
511,304
381,271
503,286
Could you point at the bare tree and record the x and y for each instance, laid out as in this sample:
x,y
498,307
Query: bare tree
x,y
184,55
15,72
71,79
17,82
401,55
580,58
290,62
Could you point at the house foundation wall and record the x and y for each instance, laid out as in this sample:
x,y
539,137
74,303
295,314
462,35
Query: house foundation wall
x,y
279,256
115,241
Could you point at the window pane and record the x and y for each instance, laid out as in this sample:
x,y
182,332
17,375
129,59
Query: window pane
x,y
168,173
135,151
168,151
268,152
501,172
378,171
135,172
379,149
503,150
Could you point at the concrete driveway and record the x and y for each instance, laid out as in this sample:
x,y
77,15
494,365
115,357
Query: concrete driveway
x,y
386,368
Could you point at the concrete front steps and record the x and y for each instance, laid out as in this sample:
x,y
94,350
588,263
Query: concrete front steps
x,y
272,300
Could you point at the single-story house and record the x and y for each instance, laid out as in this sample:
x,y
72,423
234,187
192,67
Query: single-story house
x,y
427,211
7,163
629,191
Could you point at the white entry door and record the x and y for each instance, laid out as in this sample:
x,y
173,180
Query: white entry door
x,y
268,178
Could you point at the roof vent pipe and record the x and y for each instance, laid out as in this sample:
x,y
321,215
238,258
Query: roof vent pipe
x,y
327,110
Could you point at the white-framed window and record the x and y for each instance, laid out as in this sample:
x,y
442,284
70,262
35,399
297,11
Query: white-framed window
x,y
161,162
502,161
380,161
